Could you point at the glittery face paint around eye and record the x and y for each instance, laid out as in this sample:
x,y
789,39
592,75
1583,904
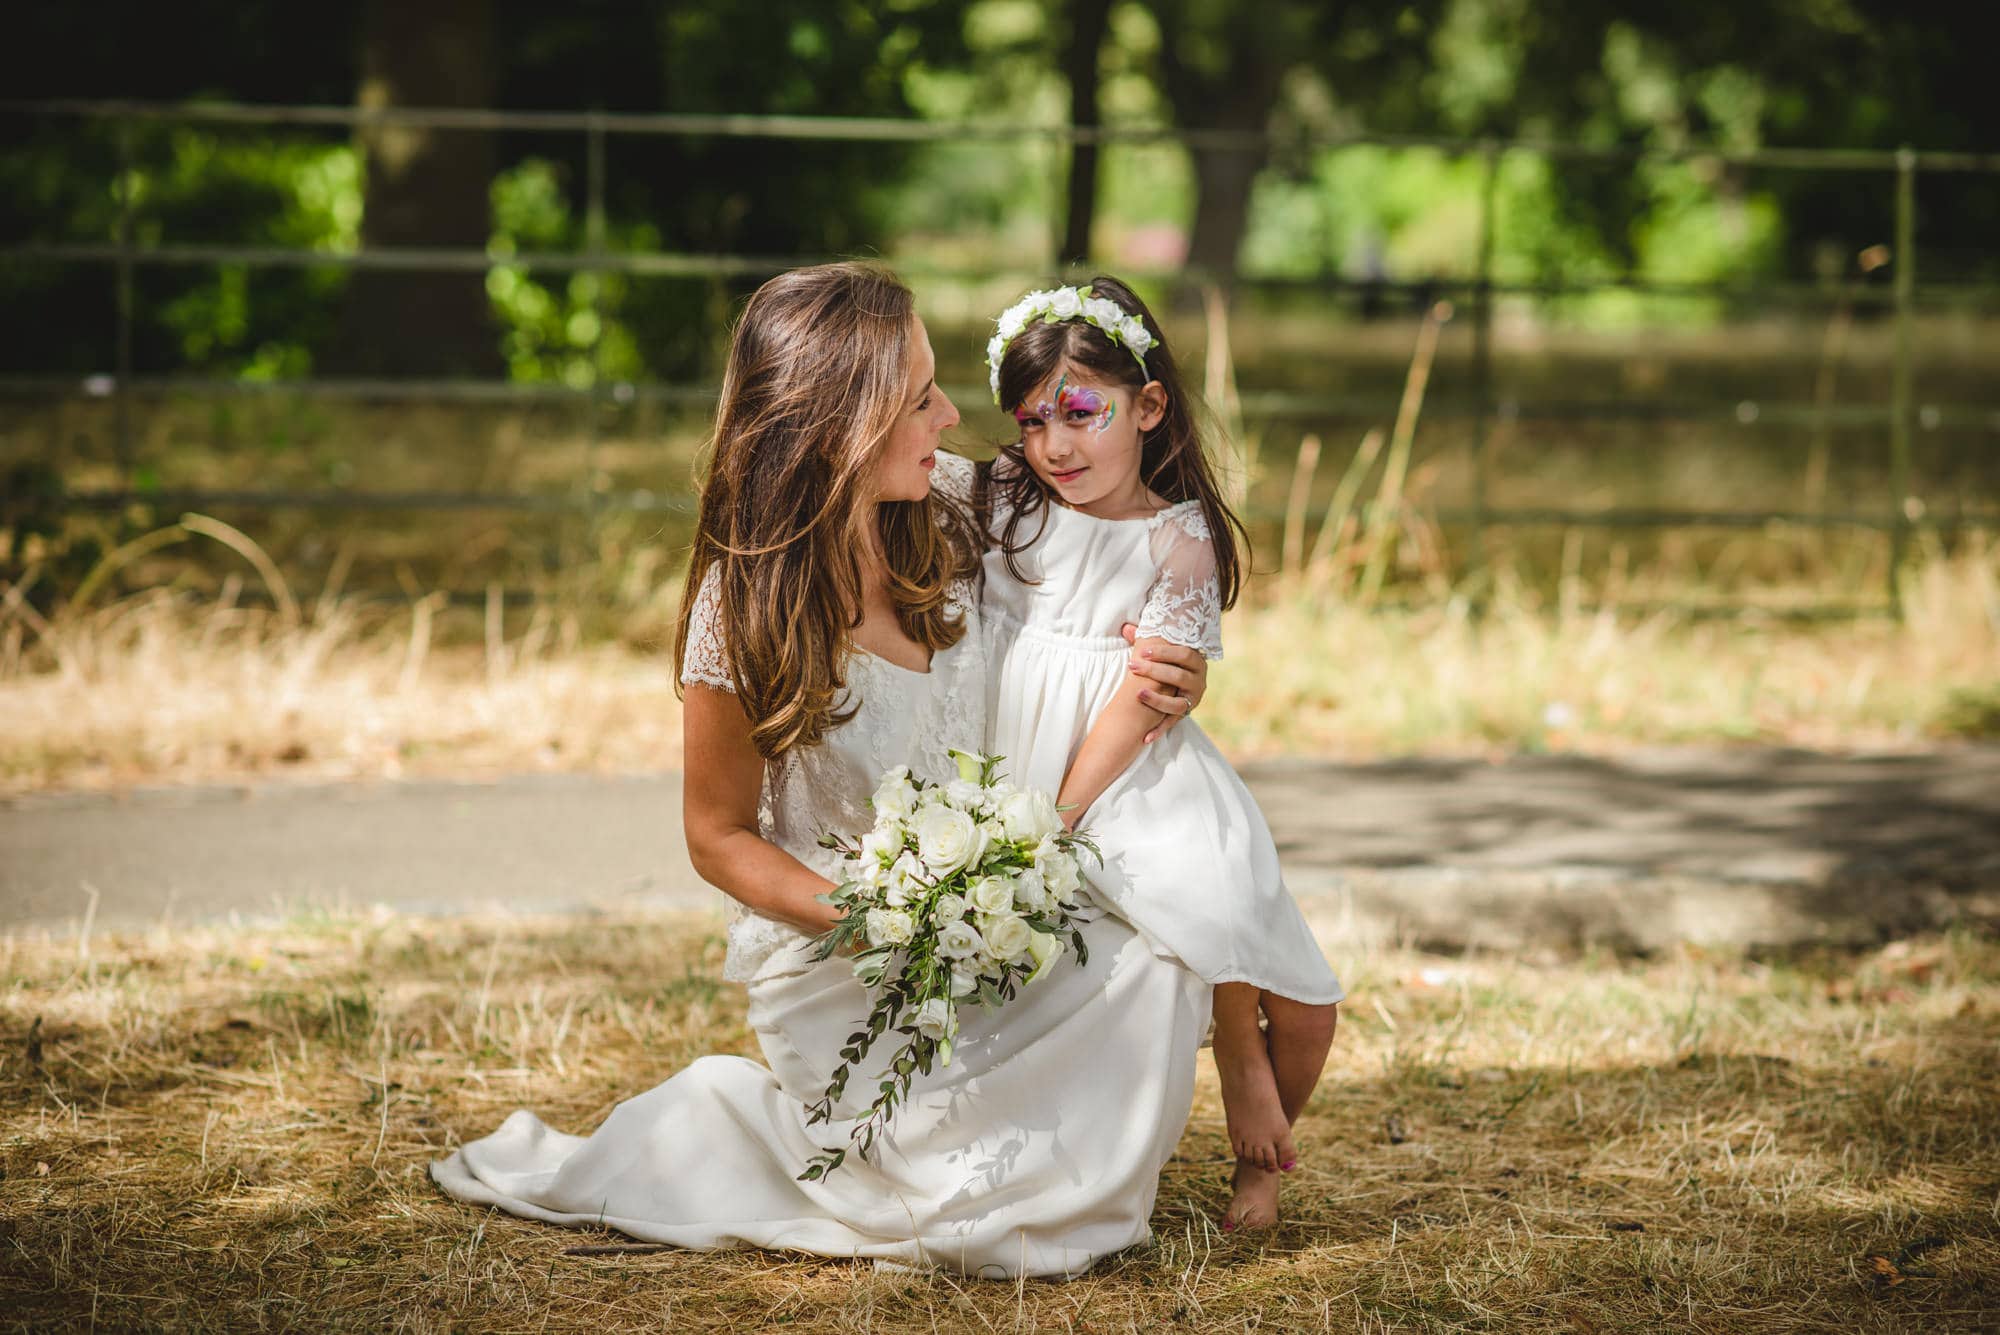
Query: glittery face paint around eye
x,y
1097,404
1043,413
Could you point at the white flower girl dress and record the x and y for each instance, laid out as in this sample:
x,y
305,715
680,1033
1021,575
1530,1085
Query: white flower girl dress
x,y
1188,859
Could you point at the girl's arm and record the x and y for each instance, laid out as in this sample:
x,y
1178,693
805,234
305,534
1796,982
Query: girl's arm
x,y
1178,631
1114,741
723,775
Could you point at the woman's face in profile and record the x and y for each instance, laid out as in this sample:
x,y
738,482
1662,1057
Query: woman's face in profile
x,y
903,469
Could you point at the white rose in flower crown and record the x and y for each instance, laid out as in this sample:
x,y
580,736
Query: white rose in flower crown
x,y
1006,935
990,894
1132,333
1066,304
949,907
1012,321
1030,815
948,840
1059,874
888,927
1031,890
959,941
895,796
935,1020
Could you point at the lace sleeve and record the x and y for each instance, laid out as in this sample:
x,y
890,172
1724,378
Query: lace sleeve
x,y
706,660
952,478
1184,606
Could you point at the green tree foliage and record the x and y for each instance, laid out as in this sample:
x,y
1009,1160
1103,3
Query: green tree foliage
x,y
761,197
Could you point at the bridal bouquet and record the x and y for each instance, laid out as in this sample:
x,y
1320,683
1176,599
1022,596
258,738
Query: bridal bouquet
x,y
961,892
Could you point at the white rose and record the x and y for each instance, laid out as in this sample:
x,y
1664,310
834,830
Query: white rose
x,y
959,941
1023,814
887,927
949,908
935,1020
1066,304
1007,936
1031,815
1031,890
1059,874
1012,321
895,797
1132,333
1103,313
963,983
905,880
998,344
948,840
991,894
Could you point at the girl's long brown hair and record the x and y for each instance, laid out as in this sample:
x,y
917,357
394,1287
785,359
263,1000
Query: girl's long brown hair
x,y
1173,461
818,370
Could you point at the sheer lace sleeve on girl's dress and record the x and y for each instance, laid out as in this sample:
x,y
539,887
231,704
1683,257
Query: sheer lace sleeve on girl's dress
x,y
1184,606
706,660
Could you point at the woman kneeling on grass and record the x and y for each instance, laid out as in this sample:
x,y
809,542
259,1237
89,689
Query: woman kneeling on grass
x,y
831,633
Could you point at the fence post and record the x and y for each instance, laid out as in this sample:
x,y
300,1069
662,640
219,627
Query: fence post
x,y
1901,388
121,402
1482,368
593,242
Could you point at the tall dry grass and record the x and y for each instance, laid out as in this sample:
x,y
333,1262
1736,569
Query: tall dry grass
x,y
159,687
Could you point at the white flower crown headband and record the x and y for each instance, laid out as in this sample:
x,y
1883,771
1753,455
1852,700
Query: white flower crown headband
x,y
1058,304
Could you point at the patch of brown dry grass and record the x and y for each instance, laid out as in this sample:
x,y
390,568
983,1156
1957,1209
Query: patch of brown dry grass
x,y
227,1128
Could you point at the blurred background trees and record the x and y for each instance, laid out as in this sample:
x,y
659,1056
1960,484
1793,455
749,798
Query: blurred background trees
x,y
1852,73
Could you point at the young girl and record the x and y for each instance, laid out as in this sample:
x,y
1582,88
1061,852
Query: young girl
x,y
1105,512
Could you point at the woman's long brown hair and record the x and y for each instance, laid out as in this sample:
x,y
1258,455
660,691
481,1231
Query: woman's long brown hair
x,y
818,370
1174,462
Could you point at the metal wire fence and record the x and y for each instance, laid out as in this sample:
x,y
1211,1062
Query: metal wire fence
x,y
1898,171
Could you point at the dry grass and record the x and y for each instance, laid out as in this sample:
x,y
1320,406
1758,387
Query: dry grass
x,y
228,1128
156,688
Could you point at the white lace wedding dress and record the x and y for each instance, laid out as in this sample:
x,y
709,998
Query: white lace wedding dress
x,y
1036,1152
1187,855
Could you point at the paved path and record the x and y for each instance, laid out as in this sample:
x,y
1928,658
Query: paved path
x,y
1748,846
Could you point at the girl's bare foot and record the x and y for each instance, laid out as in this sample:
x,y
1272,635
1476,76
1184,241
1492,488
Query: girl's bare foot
x,y
1259,1131
1255,1202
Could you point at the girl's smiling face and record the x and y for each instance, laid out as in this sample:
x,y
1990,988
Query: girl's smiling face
x,y
1084,438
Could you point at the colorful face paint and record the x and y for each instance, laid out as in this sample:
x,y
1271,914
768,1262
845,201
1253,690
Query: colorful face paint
x,y
1094,403
1044,412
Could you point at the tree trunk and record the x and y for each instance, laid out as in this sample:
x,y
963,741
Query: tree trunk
x,y
1224,176
1088,20
423,187
1237,96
